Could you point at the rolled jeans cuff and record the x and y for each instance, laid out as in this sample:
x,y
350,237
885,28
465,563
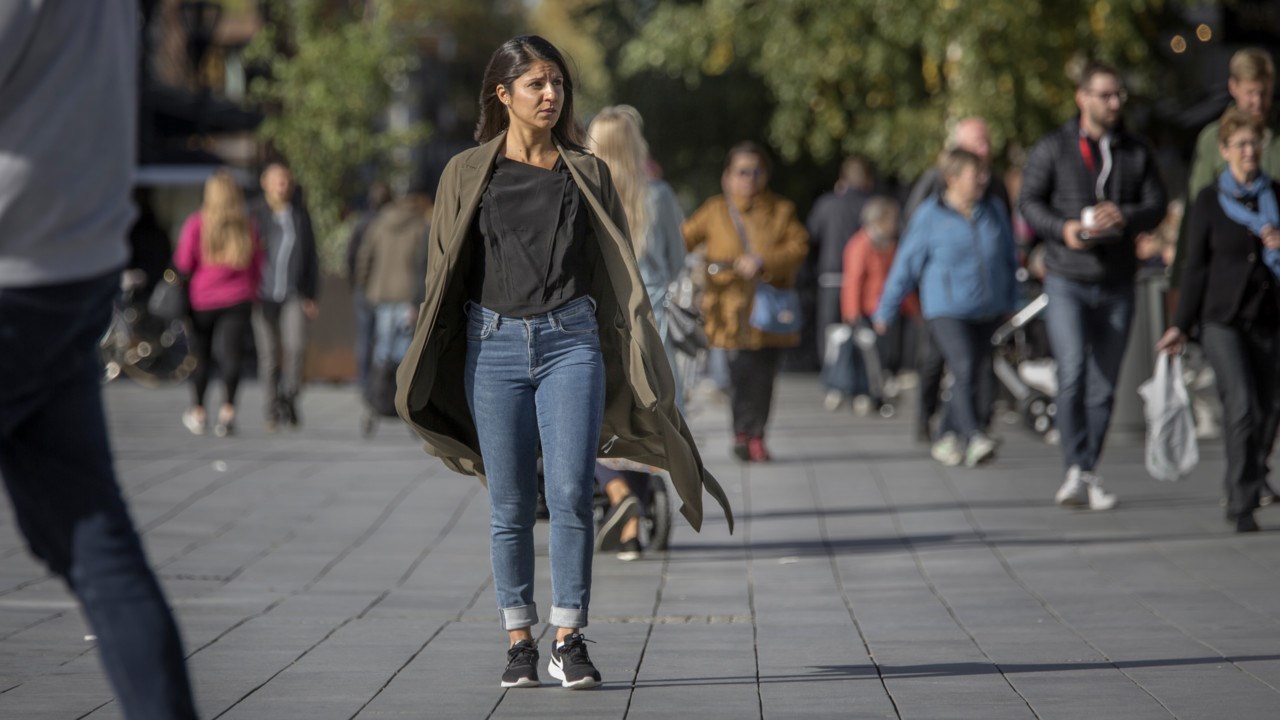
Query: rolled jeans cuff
x,y
568,617
515,618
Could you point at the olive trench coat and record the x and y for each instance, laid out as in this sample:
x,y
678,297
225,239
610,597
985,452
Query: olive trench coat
x,y
641,421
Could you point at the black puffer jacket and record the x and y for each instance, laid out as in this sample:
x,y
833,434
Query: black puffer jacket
x,y
1056,186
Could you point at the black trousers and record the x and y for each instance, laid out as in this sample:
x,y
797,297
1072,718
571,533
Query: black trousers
x,y
751,378
1244,364
218,334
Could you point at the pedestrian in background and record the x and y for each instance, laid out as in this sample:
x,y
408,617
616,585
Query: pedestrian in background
x,y
567,358
378,196
653,215
834,219
218,252
1251,84
959,251
1233,298
972,135
391,267
290,284
1088,188
868,256
69,93
751,235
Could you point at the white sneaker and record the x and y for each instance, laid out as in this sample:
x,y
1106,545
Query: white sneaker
x,y
862,406
890,388
192,423
833,400
947,450
981,449
1073,492
1099,499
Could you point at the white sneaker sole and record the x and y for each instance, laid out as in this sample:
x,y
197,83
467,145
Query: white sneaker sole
x,y
557,672
521,683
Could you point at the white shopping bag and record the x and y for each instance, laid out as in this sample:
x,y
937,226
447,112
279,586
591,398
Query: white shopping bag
x,y
1171,426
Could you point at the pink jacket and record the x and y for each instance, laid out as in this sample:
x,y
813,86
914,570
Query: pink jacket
x,y
215,286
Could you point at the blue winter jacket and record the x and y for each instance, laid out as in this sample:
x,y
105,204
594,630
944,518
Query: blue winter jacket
x,y
964,267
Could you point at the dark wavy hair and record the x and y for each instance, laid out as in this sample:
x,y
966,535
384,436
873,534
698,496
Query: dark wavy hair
x,y
509,62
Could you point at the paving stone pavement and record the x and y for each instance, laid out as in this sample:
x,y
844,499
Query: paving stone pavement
x,y
318,575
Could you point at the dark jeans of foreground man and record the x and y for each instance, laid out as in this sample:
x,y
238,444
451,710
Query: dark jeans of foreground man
x,y
56,464
1088,331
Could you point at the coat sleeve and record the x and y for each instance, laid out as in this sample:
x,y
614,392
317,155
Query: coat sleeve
x,y
365,256
1204,169
666,229
309,277
1037,189
782,258
904,274
695,229
1195,271
1151,208
855,268
187,255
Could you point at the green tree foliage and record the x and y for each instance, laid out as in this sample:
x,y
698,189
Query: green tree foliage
x,y
330,77
884,77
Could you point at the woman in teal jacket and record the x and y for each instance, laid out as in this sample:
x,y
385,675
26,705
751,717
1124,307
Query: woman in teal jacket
x,y
959,252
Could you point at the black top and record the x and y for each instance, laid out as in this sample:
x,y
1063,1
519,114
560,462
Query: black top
x,y
1224,279
1056,186
530,258
835,217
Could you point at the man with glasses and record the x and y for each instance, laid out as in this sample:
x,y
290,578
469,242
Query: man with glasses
x,y
1088,189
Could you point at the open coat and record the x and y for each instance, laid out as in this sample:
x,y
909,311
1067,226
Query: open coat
x,y
641,421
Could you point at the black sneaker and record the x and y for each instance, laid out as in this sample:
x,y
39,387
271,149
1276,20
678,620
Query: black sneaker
x,y
609,536
571,665
629,550
522,666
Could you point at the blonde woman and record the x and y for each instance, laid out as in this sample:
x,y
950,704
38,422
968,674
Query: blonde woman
x,y
219,252
653,215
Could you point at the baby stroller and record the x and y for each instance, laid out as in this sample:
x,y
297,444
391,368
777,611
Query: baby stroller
x,y
655,519
1025,370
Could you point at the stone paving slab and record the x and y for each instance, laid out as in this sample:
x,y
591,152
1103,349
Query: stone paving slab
x,y
319,575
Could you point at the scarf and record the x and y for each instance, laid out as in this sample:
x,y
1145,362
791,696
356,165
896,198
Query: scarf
x,y
1231,196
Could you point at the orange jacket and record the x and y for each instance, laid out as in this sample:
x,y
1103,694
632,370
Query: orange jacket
x,y
865,270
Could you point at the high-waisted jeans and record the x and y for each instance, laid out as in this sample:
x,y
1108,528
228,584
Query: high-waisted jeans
x,y
530,381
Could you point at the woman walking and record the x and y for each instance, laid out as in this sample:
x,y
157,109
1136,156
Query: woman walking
x,y
653,215
1232,297
959,251
751,236
534,301
218,251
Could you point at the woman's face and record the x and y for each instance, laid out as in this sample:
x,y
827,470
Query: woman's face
x,y
746,176
1242,152
535,99
970,184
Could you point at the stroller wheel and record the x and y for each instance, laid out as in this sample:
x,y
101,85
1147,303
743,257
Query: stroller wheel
x,y
887,410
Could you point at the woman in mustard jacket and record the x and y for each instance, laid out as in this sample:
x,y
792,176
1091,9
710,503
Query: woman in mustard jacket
x,y
775,246
536,332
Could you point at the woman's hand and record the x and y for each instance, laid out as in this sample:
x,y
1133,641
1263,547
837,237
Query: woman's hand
x,y
880,327
1172,342
748,266
1271,237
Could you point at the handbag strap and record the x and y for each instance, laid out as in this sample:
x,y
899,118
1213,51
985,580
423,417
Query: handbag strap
x,y
736,217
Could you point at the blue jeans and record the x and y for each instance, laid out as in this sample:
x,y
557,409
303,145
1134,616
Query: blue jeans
x,y
394,331
56,461
528,381
1088,328
966,347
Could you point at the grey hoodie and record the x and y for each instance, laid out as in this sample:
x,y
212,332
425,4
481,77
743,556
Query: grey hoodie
x,y
68,110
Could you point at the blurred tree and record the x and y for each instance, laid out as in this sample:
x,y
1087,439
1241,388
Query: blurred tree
x,y
331,69
884,77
